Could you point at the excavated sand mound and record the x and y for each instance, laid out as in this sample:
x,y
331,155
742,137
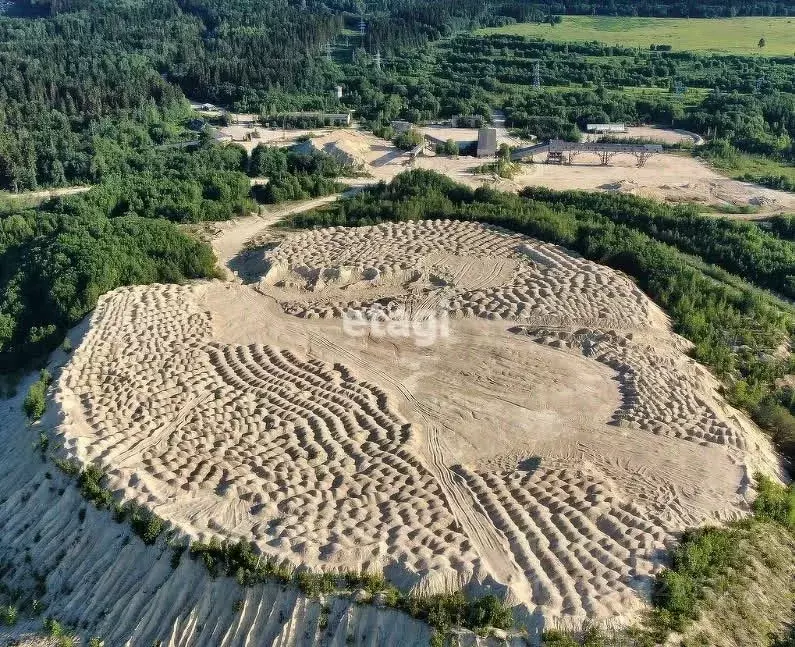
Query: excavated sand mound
x,y
471,269
503,414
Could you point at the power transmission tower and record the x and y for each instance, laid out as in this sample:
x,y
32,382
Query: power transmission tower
x,y
328,51
378,60
536,75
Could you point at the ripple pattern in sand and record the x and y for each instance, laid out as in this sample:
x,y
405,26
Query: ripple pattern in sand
x,y
544,282
309,460
584,549
658,394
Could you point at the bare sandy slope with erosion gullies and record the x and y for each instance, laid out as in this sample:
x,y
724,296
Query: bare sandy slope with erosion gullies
x,y
99,579
448,403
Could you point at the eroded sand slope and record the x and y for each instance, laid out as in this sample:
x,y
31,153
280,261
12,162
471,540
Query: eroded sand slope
x,y
447,402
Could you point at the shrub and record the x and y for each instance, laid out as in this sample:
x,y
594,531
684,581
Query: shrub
x,y
54,628
36,400
450,147
555,638
698,557
774,502
408,139
145,523
9,615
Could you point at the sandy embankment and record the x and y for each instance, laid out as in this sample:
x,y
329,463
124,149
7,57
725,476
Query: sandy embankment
x,y
448,403
103,581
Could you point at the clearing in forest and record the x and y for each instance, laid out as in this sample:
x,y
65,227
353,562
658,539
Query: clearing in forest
x,y
720,35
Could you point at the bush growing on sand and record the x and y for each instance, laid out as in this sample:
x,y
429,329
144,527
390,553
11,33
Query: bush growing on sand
x,y
449,147
145,523
694,561
54,628
408,139
36,399
775,502
9,615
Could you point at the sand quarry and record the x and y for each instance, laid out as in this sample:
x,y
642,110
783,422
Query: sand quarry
x,y
668,177
450,404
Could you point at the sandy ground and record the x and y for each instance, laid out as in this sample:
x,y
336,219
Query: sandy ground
x,y
448,403
244,129
671,178
248,136
102,580
46,194
667,177
660,135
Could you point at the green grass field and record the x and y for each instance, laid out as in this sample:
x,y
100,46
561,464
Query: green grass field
x,y
724,35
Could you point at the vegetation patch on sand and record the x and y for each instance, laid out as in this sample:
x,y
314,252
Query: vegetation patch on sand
x,y
724,35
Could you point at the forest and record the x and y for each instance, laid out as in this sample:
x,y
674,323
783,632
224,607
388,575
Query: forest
x,y
97,80
58,259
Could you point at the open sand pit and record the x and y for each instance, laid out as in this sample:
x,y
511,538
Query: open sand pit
x,y
666,177
448,403
669,178
654,134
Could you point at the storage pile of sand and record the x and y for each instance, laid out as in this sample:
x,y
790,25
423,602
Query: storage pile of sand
x,y
533,426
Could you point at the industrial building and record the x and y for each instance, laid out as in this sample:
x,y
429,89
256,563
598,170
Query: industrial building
x,y
487,142
562,152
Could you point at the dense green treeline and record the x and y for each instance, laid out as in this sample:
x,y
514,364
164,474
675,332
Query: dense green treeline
x,y
98,79
94,77
738,247
56,260
55,267
510,59
736,328
295,174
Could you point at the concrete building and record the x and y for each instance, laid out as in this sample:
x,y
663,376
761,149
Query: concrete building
x,y
487,142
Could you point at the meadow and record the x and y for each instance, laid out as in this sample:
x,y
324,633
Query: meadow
x,y
723,35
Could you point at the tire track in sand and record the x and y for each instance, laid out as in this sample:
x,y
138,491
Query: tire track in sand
x,y
490,544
